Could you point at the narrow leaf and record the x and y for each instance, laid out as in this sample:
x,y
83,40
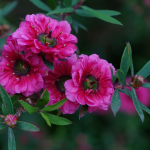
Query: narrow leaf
x,y
145,71
57,120
41,5
61,10
47,63
100,15
68,19
121,76
74,2
46,118
2,126
145,108
44,100
11,140
115,102
4,110
146,85
55,106
6,99
8,8
130,55
27,126
137,104
81,26
125,61
114,77
14,98
83,111
28,107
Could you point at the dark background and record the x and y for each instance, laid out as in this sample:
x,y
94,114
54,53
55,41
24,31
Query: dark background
x,y
97,131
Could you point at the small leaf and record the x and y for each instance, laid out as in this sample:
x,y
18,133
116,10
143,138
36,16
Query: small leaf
x,y
145,108
115,102
46,118
100,15
2,126
57,120
81,26
6,99
55,106
28,107
146,85
137,104
110,12
114,77
130,55
27,126
83,111
8,8
14,98
75,26
61,10
121,76
41,5
125,61
67,3
47,63
44,100
11,140
145,71
4,110
68,19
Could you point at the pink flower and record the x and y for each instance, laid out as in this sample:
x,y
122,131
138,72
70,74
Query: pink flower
x,y
54,83
18,73
47,35
91,83
127,105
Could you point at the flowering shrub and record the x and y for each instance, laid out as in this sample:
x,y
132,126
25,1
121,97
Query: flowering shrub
x,y
42,70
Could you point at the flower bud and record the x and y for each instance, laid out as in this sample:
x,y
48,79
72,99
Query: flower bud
x,y
137,81
10,120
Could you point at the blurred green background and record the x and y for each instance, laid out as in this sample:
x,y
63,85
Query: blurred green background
x,y
96,131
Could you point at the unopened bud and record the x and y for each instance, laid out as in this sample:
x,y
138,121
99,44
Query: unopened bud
x,y
137,81
10,120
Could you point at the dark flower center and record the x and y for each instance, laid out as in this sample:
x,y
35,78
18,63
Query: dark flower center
x,y
90,82
47,39
21,67
61,81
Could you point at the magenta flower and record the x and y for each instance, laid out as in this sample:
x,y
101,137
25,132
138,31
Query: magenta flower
x,y
18,73
91,83
127,105
44,34
54,83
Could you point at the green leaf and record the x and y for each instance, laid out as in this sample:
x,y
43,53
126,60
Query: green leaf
x,y
61,10
41,5
100,15
52,4
67,3
137,104
81,26
6,100
55,106
125,61
28,107
14,98
74,2
4,110
121,76
57,120
130,55
11,140
75,26
146,85
115,102
27,126
114,77
46,118
83,111
83,13
2,126
44,100
47,63
8,8
145,71
68,19
145,108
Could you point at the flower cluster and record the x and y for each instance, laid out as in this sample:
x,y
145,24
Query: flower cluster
x,y
83,80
